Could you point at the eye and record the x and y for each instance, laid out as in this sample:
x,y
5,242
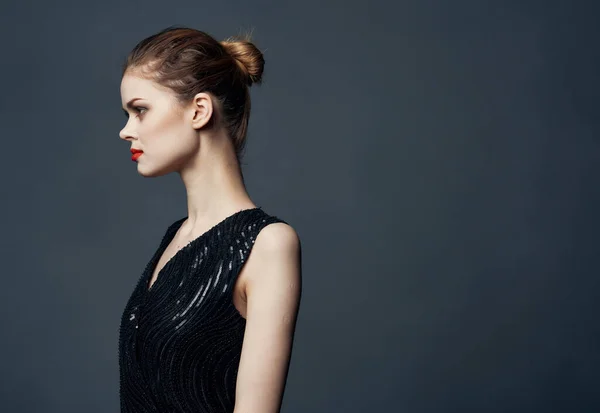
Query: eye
x,y
137,109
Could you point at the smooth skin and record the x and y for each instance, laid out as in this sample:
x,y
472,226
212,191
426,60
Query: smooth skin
x,y
191,141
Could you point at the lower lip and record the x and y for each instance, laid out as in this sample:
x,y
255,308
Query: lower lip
x,y
135,156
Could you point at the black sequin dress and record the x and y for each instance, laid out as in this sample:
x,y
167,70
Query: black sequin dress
x,y
180,341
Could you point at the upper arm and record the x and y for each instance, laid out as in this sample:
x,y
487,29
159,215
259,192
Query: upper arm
x,y
273,290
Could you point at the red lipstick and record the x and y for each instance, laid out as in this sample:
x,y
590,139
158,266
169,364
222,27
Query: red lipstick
x,y
136,154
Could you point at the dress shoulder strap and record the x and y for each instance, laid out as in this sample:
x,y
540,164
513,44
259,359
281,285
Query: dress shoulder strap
x,y
242,233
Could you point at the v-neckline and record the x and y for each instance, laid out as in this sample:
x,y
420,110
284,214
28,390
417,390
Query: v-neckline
x,y
149,289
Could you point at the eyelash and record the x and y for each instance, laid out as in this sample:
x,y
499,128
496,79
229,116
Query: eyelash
x,y
137,109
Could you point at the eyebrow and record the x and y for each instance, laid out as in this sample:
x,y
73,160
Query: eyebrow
x,y
130,103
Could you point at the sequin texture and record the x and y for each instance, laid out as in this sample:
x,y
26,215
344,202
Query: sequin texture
x,y
180,341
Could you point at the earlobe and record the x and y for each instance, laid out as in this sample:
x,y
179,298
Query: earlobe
x,y
203,110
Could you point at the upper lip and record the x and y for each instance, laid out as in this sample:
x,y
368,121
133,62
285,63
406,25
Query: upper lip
x,y
133,150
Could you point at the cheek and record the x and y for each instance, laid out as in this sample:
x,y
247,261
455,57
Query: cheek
x,y
158,130
169,138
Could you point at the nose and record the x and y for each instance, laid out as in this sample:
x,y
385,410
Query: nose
x,y
125,134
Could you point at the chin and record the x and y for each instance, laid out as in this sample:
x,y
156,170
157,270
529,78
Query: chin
x,y
151,173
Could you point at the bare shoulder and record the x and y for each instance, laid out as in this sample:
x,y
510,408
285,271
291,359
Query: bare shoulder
x,y
275,257
277,236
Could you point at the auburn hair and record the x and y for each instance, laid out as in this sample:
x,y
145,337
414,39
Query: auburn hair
x,y
189,61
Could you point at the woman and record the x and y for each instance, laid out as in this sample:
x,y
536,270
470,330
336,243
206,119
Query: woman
x,y
209,326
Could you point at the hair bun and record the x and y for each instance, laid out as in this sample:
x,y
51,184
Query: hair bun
x,y
248,58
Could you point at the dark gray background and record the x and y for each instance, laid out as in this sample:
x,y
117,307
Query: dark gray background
x,y
439,160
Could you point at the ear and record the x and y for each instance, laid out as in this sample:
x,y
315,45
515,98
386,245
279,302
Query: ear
x,y
202,110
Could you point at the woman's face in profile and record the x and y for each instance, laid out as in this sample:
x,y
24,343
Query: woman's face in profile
x,y
156,126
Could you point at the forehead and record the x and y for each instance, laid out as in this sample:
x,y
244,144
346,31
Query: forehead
x,y
134,86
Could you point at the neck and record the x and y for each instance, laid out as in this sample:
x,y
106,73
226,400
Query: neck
x,y
214,185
